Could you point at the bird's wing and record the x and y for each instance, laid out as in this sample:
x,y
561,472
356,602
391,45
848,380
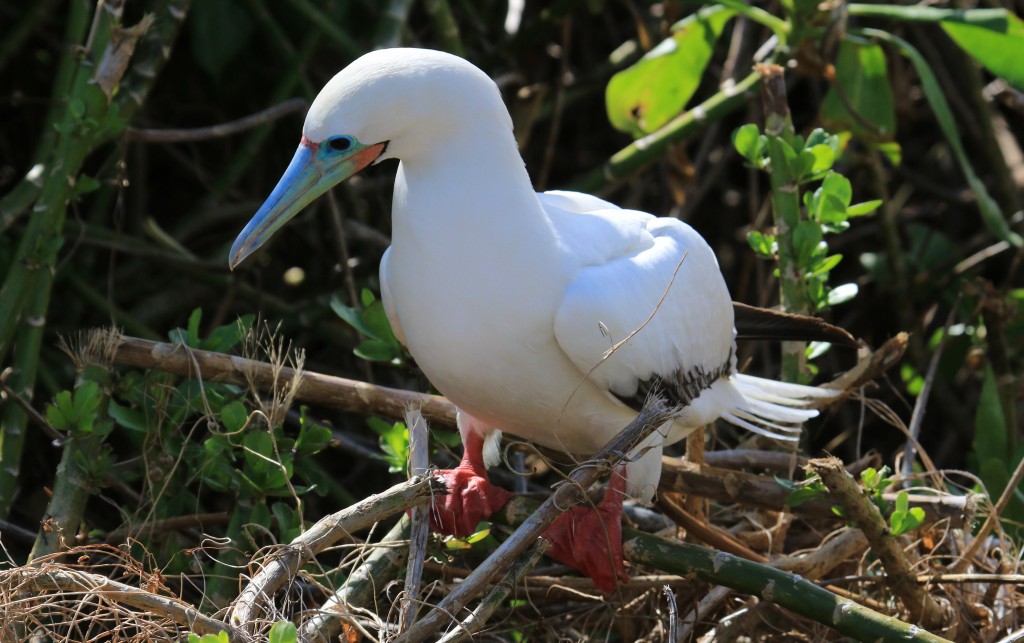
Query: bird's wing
x,y
385,297
573,201
672,315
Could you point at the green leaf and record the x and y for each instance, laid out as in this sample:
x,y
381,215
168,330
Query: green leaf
x,y
376,350
234,416
85,184
127,417
839,186
193,327
749,143
863,78
313,437
394,442
366,297
226,337
990,437
806,237
646,95
283,632
826,264
861,209
763,244
904,519
263,468
1000,49
349,315
824,158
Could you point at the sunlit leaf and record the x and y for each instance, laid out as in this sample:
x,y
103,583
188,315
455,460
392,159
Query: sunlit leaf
x,y
842,294
1001,51
646,95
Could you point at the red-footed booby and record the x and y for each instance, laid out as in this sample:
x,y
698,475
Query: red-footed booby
x,y
510,300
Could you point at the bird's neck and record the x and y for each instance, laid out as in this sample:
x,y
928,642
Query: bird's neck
x,y
474,189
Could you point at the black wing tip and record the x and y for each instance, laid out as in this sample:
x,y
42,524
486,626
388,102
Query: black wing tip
x,y
753,322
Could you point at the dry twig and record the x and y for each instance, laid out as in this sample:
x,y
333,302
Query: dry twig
x,y
923,607
286,561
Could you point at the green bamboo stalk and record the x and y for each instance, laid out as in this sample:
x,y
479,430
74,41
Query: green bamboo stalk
x,y
995,19
785,198
75,478
84,121
783,588
778,26
780,587
15,421
79,128
643,151
17,201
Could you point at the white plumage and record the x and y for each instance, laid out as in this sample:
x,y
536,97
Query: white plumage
x,y
510,300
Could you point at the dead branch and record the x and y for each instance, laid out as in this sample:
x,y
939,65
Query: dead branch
x,y
282,564
726,485
334,392
859,509
379,568
483,612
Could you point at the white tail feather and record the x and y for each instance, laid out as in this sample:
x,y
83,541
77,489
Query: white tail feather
x,y
772,408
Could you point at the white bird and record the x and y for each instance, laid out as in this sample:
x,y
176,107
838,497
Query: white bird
x,y
510,300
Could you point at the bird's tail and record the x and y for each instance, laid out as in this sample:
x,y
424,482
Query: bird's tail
x,y
772,408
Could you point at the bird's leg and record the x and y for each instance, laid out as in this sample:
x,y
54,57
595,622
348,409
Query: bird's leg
x,y
589,538
471,497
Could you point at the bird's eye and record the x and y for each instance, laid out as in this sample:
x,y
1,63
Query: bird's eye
x,y
340,143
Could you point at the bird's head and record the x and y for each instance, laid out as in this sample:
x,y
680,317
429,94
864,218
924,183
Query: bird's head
x,y
391,103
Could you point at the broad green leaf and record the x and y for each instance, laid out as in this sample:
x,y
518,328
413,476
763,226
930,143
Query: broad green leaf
x,y
226,337
838,185
313,437
234,416
646,95
806,237
999,49
862,76
824,157
127,417
349,315
375,350
283,632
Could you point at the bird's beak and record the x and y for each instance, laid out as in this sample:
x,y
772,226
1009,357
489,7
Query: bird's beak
x,y
312,172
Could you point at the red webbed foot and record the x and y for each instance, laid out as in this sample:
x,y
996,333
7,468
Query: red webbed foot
x,y
471,496
589,538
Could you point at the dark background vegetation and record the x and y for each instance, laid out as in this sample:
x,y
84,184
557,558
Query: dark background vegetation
x,y
150,244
